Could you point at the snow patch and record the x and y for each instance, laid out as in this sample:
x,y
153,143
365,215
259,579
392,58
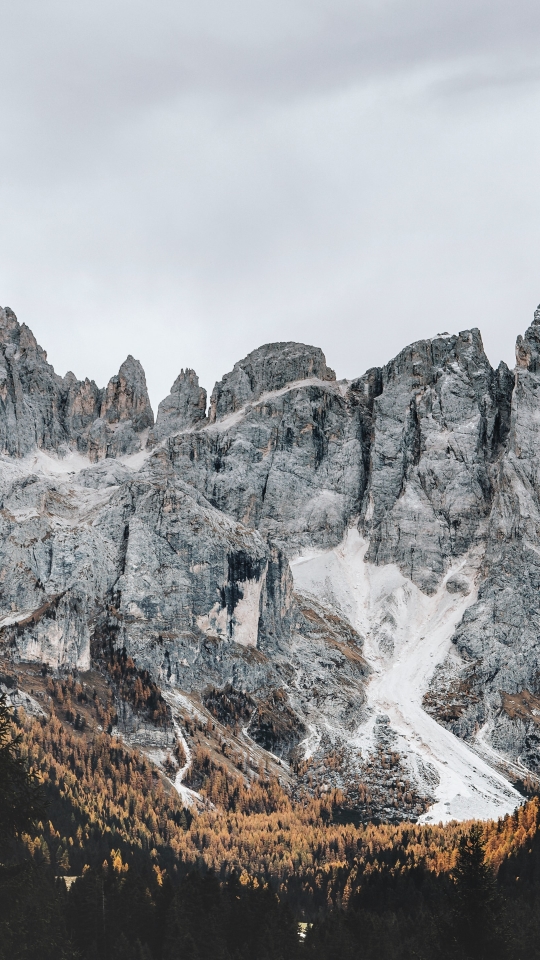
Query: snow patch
x,y
247,613
190,798
407,634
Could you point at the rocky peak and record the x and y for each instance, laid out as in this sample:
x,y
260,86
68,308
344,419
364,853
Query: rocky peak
x,y
30,391
441,416
424,362
184,407
16,338
116,415
40,409
528,347
270,367
9,324
82,403
126,397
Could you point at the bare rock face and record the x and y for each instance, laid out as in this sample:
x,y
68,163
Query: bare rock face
x,y
292,466
146,560
82,406
293,460
126,397
31,397
124,414
267,369
498,639
181,554
39,409
184,407
408,450
438,423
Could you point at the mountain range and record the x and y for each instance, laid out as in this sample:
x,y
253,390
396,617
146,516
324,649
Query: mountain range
x,y
343,575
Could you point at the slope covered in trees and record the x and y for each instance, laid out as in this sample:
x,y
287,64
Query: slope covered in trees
x,y
155,882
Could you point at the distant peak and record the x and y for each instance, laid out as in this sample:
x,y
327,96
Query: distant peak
x,y
270,367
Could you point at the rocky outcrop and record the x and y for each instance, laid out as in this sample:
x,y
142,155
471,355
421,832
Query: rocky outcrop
x,y
145,559
409,449
196,593
181,555
265,370
82,407
122,413
126,398
184,407
292,466
293,461
40,410
31,397
498,639
56,633
440,419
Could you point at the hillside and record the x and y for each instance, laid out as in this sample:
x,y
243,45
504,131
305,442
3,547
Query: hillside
x,y
146,876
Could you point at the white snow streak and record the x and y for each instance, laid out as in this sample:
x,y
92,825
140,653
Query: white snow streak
x,y
175,700
406,635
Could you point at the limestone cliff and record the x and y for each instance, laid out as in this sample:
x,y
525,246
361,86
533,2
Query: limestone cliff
x,y
40,410
413,488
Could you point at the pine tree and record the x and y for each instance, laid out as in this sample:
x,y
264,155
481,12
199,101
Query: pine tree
x,y
477,902
21,802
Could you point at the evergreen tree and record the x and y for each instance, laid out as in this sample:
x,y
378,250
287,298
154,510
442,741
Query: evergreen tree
x,y
477,904
21,801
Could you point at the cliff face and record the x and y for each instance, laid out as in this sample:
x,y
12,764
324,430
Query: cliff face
x,y
176,540
184,407
439,422
499,638
407,449
266,370
40,410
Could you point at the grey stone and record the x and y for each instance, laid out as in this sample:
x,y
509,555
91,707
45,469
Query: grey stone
x,y
184,407
40,410
267,369
184,558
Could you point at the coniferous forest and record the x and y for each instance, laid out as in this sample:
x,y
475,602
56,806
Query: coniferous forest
x,y
100,860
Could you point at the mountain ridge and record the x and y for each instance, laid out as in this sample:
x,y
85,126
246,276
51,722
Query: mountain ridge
x,y
175,540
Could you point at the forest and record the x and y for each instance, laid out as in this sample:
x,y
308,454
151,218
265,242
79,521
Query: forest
x,y
100,860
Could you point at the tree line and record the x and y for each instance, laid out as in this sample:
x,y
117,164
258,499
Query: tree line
x,y
155,882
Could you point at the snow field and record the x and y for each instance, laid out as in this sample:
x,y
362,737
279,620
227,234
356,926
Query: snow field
x,y
407,634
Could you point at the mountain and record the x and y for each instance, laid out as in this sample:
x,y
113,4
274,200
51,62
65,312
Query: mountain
x,y
355,563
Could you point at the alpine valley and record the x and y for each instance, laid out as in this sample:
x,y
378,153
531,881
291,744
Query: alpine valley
x,y
335,581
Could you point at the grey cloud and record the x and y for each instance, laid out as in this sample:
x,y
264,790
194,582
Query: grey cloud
x,y
90,58
186,181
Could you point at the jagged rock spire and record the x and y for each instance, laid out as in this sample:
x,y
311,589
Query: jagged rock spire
x,y
184,407
40,409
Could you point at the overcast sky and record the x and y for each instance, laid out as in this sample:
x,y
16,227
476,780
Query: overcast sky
x,y
184,180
